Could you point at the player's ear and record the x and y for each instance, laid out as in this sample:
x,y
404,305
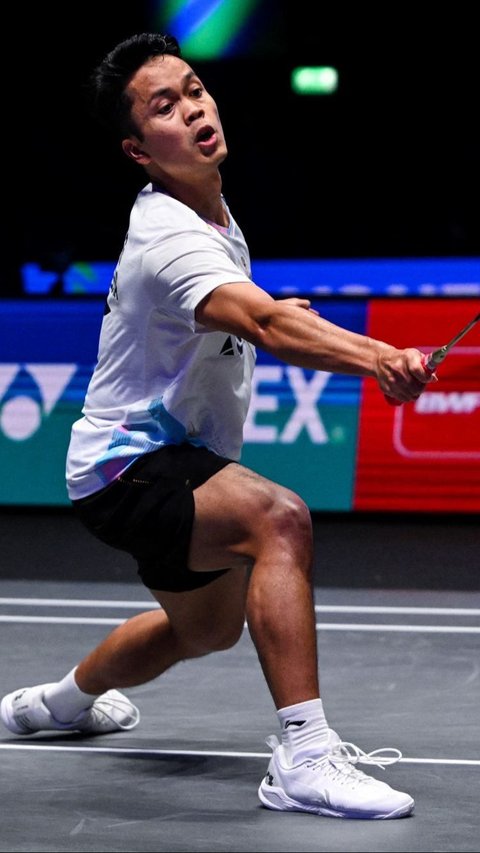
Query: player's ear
x,y
131,147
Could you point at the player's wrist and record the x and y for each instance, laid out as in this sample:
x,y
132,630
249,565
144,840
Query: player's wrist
x,y
381,352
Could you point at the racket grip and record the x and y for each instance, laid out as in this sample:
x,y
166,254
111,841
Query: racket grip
x,y
428,365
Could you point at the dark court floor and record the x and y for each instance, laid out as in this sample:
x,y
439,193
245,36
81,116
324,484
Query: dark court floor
x,y
399,664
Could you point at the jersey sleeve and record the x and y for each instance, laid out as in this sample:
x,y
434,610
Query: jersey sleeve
x,y
184,268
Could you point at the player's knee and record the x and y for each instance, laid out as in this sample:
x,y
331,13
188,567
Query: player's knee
x,y
289,517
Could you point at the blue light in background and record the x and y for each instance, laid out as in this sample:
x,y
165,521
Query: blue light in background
x,y
393,277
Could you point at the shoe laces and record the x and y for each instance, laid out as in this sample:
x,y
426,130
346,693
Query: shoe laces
x,y
341,760
346,752
106,706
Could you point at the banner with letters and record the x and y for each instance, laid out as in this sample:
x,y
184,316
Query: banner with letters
x,y
423,456
333,439
302,425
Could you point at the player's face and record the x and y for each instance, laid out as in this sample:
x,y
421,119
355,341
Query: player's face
x,y
178,121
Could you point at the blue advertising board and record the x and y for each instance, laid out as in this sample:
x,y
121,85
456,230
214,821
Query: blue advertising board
x,y
301,429
364,277
47,353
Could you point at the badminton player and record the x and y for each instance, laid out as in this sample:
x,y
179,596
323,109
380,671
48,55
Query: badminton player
x,y
153,463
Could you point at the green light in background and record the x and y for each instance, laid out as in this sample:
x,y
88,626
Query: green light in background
x,y
310,80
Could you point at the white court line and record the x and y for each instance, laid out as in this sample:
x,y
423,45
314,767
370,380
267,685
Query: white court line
x,y
80,602
424,611
62,620
426,629
320,626
200,753
319,608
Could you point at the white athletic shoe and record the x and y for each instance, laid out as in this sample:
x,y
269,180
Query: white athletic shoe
x,y
330,784
24,712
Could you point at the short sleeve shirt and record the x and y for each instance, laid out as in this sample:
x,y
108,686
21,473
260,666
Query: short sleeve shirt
x,y
161,378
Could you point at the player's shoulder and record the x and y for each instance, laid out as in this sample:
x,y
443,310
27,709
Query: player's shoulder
x,y
155,208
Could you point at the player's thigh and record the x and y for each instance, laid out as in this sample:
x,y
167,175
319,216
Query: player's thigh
x,y
236,511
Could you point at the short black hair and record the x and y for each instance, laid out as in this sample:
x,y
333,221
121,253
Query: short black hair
x,y
111,105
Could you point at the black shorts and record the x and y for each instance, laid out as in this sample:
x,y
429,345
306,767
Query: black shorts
x,y
148,511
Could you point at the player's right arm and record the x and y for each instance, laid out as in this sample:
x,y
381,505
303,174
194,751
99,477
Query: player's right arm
x,y
294,333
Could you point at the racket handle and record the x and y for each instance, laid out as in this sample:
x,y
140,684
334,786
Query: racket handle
x,y
428,365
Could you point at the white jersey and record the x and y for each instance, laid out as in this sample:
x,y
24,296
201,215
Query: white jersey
x,y
160,377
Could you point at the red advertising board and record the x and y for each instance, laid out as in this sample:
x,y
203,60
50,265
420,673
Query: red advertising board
x,y
423,456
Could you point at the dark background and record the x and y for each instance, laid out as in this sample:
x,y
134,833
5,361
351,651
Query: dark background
x,y
388,166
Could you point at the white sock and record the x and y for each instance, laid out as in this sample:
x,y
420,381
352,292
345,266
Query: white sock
x,y
304,729
65,700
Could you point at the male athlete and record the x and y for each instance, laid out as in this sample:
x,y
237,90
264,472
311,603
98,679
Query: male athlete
x,y
153,466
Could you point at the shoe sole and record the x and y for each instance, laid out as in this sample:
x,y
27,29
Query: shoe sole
x,y
276,799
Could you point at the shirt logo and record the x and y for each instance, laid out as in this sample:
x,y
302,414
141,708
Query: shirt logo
x,y
231,344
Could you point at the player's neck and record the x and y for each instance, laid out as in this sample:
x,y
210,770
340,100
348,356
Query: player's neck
x,y
214,210
204,198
